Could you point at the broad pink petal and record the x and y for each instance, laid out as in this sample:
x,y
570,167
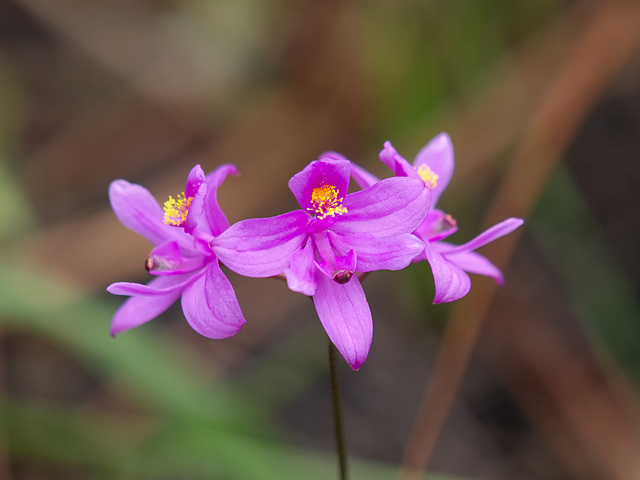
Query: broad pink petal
x,y
374,253
392,206
262,247
326,171
215,218
147,302
301,276
137,210
345,315
498,230
362,177
210,304
196,188
396,162
451,282
438,156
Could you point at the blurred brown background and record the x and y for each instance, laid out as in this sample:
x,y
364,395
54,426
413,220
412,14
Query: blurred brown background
x,y
542,101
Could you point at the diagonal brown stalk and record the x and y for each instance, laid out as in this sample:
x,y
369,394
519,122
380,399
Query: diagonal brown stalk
x,y
600,47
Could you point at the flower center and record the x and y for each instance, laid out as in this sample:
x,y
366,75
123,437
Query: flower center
x,y
429,177
325,202
176,210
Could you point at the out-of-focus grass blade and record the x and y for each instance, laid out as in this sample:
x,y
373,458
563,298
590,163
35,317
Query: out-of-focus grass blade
x,y
113,446
604,298
141,361
66,435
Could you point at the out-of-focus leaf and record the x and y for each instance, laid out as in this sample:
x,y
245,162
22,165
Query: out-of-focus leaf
x,y
141,361
15,215
137,448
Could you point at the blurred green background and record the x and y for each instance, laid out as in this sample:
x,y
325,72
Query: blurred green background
x,y
542,101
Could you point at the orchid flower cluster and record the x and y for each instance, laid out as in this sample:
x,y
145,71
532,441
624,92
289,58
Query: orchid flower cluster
x,y
322,250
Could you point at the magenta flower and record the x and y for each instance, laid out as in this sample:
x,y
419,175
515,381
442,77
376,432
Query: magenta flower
x,y
319,247
182,263
449,263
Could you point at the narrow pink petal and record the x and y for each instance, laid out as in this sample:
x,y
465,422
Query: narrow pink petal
x,y
301,276
137,210
345,315
362,177
213,213
262,247
396,162
210,304
374,253
438,156
499,230
147,302
157,287
475,263
392,206
196,188
451,282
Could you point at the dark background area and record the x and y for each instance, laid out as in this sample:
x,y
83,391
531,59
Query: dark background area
x,y
542,101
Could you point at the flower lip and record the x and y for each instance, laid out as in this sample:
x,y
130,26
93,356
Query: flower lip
x,y
321,185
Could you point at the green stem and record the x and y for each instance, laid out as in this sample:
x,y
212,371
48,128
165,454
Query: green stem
x,y
337,413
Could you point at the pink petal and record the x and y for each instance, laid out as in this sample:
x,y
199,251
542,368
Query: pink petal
x,y
137,210
301,276
499,230
147,302
392,206
436,226
159,286
475,263
214,216
451,282
334,264
373,253
196,188
396,162
262,247
210,304
438,156
167,259
345,315
326,171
